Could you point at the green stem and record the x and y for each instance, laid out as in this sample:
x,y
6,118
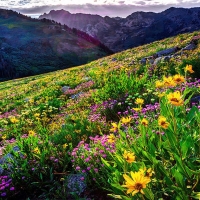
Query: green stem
x,y
143,197
195,183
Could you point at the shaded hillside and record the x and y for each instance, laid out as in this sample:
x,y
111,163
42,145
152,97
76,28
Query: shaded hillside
x,y
29,46
137,29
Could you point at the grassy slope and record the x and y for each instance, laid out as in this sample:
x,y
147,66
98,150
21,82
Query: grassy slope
x,y
74,76
42,93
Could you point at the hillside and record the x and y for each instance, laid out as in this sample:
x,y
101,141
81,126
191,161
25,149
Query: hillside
x,y
29,46
136,29
121,127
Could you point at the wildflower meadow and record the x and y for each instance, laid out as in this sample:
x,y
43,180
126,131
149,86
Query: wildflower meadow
x,y
111,129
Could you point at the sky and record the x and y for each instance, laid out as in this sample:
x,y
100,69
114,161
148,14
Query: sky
x,y
112,8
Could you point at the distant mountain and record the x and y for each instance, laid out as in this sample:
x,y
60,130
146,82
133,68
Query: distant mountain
x,y
30,46
137,29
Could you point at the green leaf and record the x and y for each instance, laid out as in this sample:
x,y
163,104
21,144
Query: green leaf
x,y
148,194
188,99
182,168
186,145
117,186
119,197
172,141
180,193
196,195
190,172
106,163
179,178
119,159
115,196
192,114
41,177
152,149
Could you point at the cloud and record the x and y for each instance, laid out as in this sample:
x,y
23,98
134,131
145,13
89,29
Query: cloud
x,y
141,2
112,8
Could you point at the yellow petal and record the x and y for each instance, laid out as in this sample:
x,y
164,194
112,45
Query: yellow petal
x,y
128,179
135,192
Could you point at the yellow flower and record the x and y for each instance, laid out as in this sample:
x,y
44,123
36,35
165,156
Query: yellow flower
x,y
36,150
68,137
111,138
169,82
77,131
137,109
126,120
31,101
162,121
3,137
36,114
65,145
175,98
139,101
129,157
144,122
136,182
178,79
149,172
14,120
29,121
31,133
159,84
114,128
189,68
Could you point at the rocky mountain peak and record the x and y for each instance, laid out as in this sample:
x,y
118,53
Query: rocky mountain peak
x,y
136,29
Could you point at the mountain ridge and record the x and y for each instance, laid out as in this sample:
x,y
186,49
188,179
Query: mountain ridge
x,y
136,29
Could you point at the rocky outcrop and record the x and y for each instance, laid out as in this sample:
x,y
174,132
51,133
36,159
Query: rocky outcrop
x,y
167,51
166,54
189,47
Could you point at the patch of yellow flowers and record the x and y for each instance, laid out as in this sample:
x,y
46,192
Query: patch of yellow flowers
x,y
170,81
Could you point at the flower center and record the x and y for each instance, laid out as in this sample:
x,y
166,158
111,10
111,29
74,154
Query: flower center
x,y
175,100
138,186
178,80
163,123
